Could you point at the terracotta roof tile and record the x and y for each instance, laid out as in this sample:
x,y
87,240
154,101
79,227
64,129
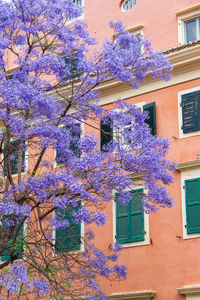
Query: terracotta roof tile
x,y
188,45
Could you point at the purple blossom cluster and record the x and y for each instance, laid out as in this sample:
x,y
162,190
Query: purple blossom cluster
x,y
52,89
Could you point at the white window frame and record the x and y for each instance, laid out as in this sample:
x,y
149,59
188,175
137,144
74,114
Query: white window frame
x,y
82,134
146,223
24,247
183,135
186,15
25,162
189,173
137,30
124,2
69,21
197,29
82,235
120,134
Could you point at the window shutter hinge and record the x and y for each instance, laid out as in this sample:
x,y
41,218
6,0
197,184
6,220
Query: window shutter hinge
x,y
181,127
181,104
184,187
115,236
185,226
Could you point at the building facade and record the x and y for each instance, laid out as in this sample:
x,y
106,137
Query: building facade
x,y
162,257
162,252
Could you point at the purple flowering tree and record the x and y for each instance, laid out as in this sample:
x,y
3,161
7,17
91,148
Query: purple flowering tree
x,y
54,177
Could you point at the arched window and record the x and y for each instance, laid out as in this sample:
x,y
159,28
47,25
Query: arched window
x,y
128,4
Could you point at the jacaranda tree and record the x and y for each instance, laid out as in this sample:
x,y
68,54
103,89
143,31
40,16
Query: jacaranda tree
x,y
54,176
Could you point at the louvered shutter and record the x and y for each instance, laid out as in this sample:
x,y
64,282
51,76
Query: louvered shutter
x,y
191,111
17,248
130,219
106,135
151,121
67,239
192,190
122,222
136,216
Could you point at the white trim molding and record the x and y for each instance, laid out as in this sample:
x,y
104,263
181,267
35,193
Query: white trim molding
x,y
192,292
188,164
142,295
186,64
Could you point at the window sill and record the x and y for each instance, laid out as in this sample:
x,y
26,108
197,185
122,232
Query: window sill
x,y
190,291
143,295
136,244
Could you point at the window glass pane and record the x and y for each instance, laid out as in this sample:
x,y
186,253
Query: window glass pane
x,y
14,157
78,2
128,4
198,35
191,34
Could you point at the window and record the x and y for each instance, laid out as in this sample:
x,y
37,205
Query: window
x,y
107,129
71,63
188,24
190,104
15,151
192,202
190,195
69,238
192,30
78,3
106,132
128,4
130,219
75,131
151,121
17,248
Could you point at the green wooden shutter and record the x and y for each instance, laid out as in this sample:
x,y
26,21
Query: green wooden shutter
x,y
10,76
18,247
76,134
130,219
14,158
192,190
191,111
67,239
122,222
136,216
106,135
151,121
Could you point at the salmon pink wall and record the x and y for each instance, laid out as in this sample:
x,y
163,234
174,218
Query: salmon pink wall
x,y
169,261
157,17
